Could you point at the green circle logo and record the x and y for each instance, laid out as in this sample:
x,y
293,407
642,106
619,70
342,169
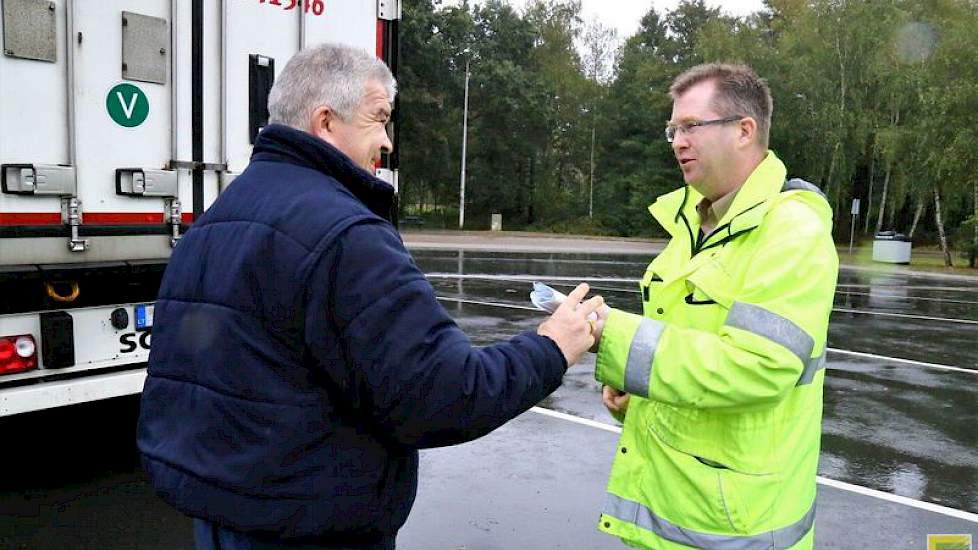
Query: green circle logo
x,y
127,105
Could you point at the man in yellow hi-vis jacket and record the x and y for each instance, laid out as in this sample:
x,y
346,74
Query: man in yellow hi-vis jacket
x,y
719,382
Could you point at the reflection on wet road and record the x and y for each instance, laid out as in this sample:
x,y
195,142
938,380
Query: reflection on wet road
x,y
899,427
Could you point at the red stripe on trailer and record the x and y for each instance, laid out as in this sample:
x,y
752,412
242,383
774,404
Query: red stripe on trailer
x,y
30,218
92,218
381,28
122,218
382,55
131,218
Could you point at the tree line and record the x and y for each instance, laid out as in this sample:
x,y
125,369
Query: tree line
x,y
875,100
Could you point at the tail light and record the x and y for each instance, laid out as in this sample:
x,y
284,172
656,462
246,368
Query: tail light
x,y
17,354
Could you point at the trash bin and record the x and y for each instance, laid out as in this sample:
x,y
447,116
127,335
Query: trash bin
x,y
891,247
496,222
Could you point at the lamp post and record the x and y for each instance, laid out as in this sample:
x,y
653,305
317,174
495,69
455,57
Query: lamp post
x,y
465,131
590,200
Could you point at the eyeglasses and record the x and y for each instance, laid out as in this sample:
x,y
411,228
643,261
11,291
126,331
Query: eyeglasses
x,y
690,127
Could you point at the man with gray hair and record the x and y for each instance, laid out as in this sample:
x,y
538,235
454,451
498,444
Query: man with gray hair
x,y
300,359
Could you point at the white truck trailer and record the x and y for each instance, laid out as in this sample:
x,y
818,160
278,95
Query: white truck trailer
x,y
120,122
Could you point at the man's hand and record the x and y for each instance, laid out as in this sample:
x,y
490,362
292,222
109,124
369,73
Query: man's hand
x,y
615,401
602,313
569,327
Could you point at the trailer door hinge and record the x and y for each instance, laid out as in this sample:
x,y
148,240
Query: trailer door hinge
x,y
71,215
389,10
174,215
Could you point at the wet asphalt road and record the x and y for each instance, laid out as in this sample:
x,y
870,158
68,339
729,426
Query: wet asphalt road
x,y
72,479
897,427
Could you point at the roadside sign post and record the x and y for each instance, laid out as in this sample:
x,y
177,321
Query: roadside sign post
x,y
852,226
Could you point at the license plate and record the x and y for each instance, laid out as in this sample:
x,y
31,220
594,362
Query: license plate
x,y
144,316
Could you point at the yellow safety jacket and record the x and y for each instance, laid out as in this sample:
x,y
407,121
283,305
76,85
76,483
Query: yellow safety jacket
x,y
721,438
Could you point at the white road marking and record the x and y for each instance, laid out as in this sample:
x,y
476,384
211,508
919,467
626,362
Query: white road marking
x,y
911,287
906,316
937,366
919,504
530,278
904,361
572,280
906,501
900,297
491,304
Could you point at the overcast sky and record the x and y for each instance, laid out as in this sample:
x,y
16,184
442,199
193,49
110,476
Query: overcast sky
x,y
624,15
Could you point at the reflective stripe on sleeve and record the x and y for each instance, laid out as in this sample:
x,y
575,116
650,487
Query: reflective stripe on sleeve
x,y
812,366
772,326
638,368
796,184
779,539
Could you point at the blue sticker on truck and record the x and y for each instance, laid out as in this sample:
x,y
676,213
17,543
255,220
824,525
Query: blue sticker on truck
x,y
144,316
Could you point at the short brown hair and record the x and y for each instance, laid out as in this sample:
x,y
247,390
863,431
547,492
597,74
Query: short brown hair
x,y
739,91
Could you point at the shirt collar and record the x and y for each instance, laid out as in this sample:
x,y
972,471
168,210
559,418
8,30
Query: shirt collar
x,y
712,212
764,182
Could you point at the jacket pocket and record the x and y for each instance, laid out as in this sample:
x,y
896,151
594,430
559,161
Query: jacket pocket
x,y
650,285
651,280
695,298
748,499
707,297
710,284
683,489
702,309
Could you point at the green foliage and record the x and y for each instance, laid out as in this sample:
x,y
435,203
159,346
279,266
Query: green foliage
x,y
866,92
576,226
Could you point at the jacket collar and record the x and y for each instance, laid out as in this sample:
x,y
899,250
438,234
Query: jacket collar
x,y
279,143
676,211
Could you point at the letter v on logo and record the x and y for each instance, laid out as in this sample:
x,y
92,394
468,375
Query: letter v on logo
x,y
127,108
127,105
